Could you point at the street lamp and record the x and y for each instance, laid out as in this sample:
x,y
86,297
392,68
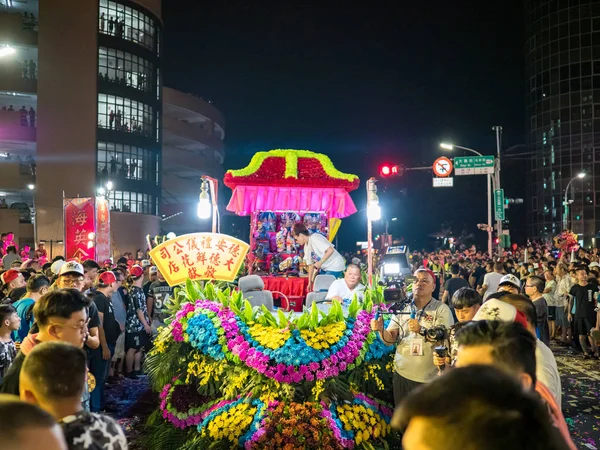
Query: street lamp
x,y
451,147
204,208
109,185
580,176
373,213
31,187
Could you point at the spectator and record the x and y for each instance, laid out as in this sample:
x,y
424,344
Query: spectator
x,y
138,328
534,289
475,408
54,378
24,426
509,283
414,356
37,286
510,348
552,300
564,284
10,257
346,288
159,298
582,306
90,272
491,281
61,316
12,280
9,322
454,283
109,331
152,277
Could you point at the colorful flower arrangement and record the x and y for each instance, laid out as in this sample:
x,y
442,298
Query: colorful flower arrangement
x,y
245,377
291,167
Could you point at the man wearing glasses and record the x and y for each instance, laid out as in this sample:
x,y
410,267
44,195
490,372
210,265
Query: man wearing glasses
x,y
61,315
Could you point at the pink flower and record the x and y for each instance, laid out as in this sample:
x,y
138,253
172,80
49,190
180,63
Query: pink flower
x,y
313,366
309,376
297,377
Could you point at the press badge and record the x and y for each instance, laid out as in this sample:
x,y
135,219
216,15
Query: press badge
x,y
416,347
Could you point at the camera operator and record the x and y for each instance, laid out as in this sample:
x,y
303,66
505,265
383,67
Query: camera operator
x,y
414,354
466,302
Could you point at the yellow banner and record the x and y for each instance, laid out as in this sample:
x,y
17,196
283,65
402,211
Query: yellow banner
x,y
200,256
334,226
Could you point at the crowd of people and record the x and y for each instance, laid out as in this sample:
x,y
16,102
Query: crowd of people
x,y
67,329
504,312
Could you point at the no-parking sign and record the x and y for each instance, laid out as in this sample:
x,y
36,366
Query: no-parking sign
x,y
442,167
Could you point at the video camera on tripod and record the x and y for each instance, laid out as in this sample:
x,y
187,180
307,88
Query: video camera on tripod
x,y
393,272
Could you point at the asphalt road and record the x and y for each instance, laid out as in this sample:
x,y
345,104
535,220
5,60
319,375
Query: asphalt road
x,y
581,396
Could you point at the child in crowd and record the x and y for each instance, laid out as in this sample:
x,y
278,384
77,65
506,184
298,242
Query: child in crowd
x,y
9,322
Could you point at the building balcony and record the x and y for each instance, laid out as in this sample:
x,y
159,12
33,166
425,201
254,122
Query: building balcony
x,y
11,129
15,31
12,79
185,106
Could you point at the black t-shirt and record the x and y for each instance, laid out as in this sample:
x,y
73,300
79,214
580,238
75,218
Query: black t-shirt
x,y
465,273
17,293
92,431
161,292
584,301
454,284
146,288
110,324
478,274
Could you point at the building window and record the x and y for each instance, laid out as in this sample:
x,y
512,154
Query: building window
x,y
126,23
123,114
119,161
125,69
135,202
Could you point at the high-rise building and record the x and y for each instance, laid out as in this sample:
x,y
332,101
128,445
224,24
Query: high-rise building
x,y
563,116
193,133
85,84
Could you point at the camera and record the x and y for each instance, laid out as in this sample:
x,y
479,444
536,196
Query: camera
x,y
436,334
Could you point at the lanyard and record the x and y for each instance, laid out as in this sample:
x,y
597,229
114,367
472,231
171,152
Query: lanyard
x,y
413,309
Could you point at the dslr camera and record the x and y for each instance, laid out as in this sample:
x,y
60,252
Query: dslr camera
x,y
438,333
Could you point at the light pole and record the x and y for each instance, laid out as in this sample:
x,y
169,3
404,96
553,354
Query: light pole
x,y
373,213
489,192
204,202
580,175
31,187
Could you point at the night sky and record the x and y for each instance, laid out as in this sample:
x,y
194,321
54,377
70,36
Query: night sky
x,y
364,86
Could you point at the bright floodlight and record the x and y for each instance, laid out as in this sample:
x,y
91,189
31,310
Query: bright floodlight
x,y
171,235
394,219
5,51
101,191
204,207
447,146
374,212
31,187
581,175
109,185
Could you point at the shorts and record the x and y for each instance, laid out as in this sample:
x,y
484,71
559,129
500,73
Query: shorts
x,y
561,317
119,348
552,312
583,326
137,340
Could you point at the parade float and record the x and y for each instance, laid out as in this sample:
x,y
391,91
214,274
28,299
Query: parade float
x,y
277,189
233,376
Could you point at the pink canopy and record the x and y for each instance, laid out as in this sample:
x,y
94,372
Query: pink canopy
x,y
335,202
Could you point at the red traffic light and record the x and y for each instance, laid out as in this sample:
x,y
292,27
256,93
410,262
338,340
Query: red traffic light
x,y
389,170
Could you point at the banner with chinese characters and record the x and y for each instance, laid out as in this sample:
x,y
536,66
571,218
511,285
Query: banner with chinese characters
x,y
79,228
200,256
102,229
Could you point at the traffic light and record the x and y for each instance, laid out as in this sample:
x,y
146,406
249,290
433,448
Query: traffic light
x,y
391,170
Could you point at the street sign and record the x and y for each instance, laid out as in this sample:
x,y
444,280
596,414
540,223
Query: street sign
x,y
499,203
442,167
473,165
443,182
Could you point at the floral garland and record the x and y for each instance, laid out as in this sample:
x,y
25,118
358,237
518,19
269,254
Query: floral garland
x,y
182,411
298,167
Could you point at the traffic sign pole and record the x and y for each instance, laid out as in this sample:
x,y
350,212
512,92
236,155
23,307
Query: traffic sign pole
x,y
498,130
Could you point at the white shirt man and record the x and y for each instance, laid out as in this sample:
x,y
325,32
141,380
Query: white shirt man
x,y
491,281
344,289
414,355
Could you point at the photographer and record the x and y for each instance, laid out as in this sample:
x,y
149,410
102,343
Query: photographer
x,y
414,354
466,302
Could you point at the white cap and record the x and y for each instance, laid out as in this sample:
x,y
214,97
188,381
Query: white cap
x,y
594,264
71,267
153,269
56,265
510,279
145,263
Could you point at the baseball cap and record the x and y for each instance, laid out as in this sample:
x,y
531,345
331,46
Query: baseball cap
x,y
145,263
71,267
107,277
153,269
136,271
510,279
594,264
9,276
56,265
494,309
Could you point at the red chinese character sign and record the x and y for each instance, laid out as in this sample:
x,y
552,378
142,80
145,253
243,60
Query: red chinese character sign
x,y
200,256
102,229
79,214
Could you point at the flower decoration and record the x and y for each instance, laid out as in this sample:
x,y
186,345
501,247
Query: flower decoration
x,y
291,168
566,241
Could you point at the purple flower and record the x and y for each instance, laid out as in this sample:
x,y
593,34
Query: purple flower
x,y
313,366
281,368
309,376
297,377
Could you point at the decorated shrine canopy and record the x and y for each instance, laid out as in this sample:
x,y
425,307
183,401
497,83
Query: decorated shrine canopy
x,y
291,180
199,256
